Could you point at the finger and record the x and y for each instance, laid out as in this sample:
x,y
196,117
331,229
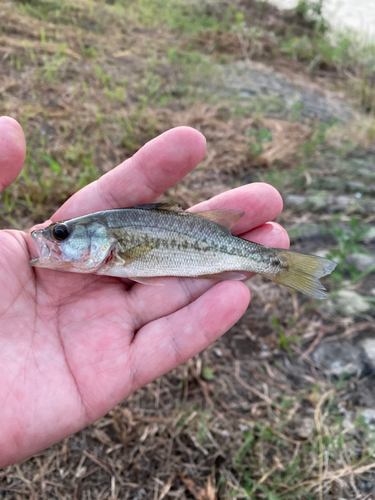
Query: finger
x,y
160,164
148,303
167,342
260,202
12,150
269,235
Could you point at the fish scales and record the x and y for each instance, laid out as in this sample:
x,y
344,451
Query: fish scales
x,y
186,243
155,240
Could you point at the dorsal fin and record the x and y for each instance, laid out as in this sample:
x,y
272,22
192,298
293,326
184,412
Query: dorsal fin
x,y
172,207
224,218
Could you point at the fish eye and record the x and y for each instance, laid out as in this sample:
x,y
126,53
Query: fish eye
x,y
60,232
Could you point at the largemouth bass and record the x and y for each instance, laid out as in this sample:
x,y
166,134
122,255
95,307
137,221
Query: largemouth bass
x,y
157,240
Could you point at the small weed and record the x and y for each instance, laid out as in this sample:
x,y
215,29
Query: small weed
x,y
52,65
299,48
45,180
102,76
297,108
208,374
42,36
151,84
196,17
118,94
176,56
250,37
249,440
88,51
41,9
138,127
258,137
317,139
53,164
312,11
9,201
285,342
241,110
202,421
349,242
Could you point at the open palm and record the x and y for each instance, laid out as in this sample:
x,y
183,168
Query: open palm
x,y
72,346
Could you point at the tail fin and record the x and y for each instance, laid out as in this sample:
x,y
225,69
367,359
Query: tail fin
x,y
302,272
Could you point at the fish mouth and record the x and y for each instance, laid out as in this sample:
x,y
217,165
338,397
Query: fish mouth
x,y
48,251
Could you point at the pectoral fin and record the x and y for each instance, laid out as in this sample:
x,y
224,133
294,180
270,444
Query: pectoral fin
x,y
135,253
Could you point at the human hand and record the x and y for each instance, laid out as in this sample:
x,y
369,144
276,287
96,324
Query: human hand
x,y
73,346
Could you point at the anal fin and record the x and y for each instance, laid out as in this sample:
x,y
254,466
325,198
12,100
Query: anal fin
x,y
147,281
225,276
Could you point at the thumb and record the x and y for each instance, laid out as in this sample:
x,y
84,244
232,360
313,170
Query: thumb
x,y
12,150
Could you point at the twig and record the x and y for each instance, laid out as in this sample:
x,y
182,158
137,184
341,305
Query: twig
x,y
313,344
98,462
264,477
103,466
283,436
320,438
252,389
357,328
323,330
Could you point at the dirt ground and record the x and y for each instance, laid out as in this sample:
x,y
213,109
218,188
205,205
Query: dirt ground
x,y
282,407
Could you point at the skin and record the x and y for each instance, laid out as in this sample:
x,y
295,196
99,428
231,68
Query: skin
x,y
73,346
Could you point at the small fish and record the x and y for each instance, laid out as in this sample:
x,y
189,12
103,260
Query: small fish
x,y
149,241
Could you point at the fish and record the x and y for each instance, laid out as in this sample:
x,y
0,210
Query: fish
x,y
145,242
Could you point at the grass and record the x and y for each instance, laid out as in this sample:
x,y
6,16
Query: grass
x,y
349,242
249,414
267,461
